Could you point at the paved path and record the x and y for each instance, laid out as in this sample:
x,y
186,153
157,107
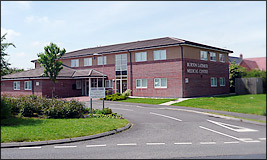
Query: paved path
x,y
160,132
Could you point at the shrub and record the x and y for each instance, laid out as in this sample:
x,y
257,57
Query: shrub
x,y
127,93
115,97
5,109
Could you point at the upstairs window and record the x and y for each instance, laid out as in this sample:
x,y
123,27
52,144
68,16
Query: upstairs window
x,y
141,83
222,81
204,55
160,55
121,62
160,82
28,85
16,85
100,60
213,81
212,56
140,56
222,58
75,63
87,61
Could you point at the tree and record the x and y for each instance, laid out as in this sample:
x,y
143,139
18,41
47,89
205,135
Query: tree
x,y
4,63
11,70
50,61
235,71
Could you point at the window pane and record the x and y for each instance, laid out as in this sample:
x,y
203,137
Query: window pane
x,y
203,55
156,82
100,82
30,84
137,57
212,56
138,83
18,85
156,55
163,82
144,82
144,56
163,54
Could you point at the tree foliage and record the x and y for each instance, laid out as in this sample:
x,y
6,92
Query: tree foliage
x,y
4,63
50,61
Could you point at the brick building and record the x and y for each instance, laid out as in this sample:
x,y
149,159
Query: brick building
x,y
163,67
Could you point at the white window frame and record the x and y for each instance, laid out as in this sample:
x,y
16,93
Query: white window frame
x,y
87,62
160,83
224,59
110,84
141,83
75,63
222,84
29,86
213,54
143,56
162,54
121,62
16,85
211,84
78,84
205,58
99,60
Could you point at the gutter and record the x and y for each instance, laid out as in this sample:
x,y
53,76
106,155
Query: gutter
x,y
182,57
131,72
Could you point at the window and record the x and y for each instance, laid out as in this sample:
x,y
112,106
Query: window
x,y
108,84
78,84
28,85
141,83
212,56
87,61
204,55
93,82
159,55
100,60
121,62
213,81
75,63
140,56
37,83
160,83
16,86
100,82
222,57
222,81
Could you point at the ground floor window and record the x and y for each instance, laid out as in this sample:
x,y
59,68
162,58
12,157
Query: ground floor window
x,y
108,84
213,81
78,84
160,82
141,83
222,81
28,85
16,85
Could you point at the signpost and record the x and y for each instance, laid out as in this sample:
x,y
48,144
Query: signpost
x,y
96,92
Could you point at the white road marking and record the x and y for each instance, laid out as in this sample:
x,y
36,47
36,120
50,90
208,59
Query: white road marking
x,y
207,142
184,143
98,145
155,143
252,141
123,109
263,139
127,144
246,139
30,147
240,139
166,116
231,142
233,127
65,146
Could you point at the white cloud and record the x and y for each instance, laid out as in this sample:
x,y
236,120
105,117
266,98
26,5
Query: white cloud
x,y
24,4
21,54
10,33
31,19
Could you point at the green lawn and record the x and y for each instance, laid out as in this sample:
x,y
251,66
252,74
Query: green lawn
x,y
250,104
146,100
32,129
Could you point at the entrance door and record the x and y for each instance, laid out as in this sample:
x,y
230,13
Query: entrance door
x,y
121,85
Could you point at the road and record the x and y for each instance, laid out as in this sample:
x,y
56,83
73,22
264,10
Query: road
x,y
160,132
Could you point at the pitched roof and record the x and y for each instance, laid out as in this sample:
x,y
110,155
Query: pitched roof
x,y
255,63
144,44
66,72
237,60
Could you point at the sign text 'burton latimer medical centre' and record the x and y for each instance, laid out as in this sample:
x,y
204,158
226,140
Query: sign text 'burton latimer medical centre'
x,y
201,68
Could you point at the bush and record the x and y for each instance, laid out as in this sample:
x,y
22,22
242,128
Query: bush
x,y
5,109
115,97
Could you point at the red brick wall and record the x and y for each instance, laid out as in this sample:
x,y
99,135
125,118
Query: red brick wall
x,y
201,86
170,69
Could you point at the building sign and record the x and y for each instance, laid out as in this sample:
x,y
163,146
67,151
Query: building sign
x,y
198,68
97,92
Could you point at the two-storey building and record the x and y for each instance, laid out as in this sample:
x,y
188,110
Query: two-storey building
x,y
163,67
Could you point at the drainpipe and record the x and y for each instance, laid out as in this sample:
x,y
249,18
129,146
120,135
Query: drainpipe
x,y
182,57
131,72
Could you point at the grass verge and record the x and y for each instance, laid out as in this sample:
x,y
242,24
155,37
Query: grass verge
x,y
32,129
249,104
262,121
146,100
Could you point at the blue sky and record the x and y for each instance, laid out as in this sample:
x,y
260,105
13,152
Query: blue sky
x,y
237,26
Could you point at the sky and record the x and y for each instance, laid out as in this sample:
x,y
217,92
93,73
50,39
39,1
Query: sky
x,y
239,26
